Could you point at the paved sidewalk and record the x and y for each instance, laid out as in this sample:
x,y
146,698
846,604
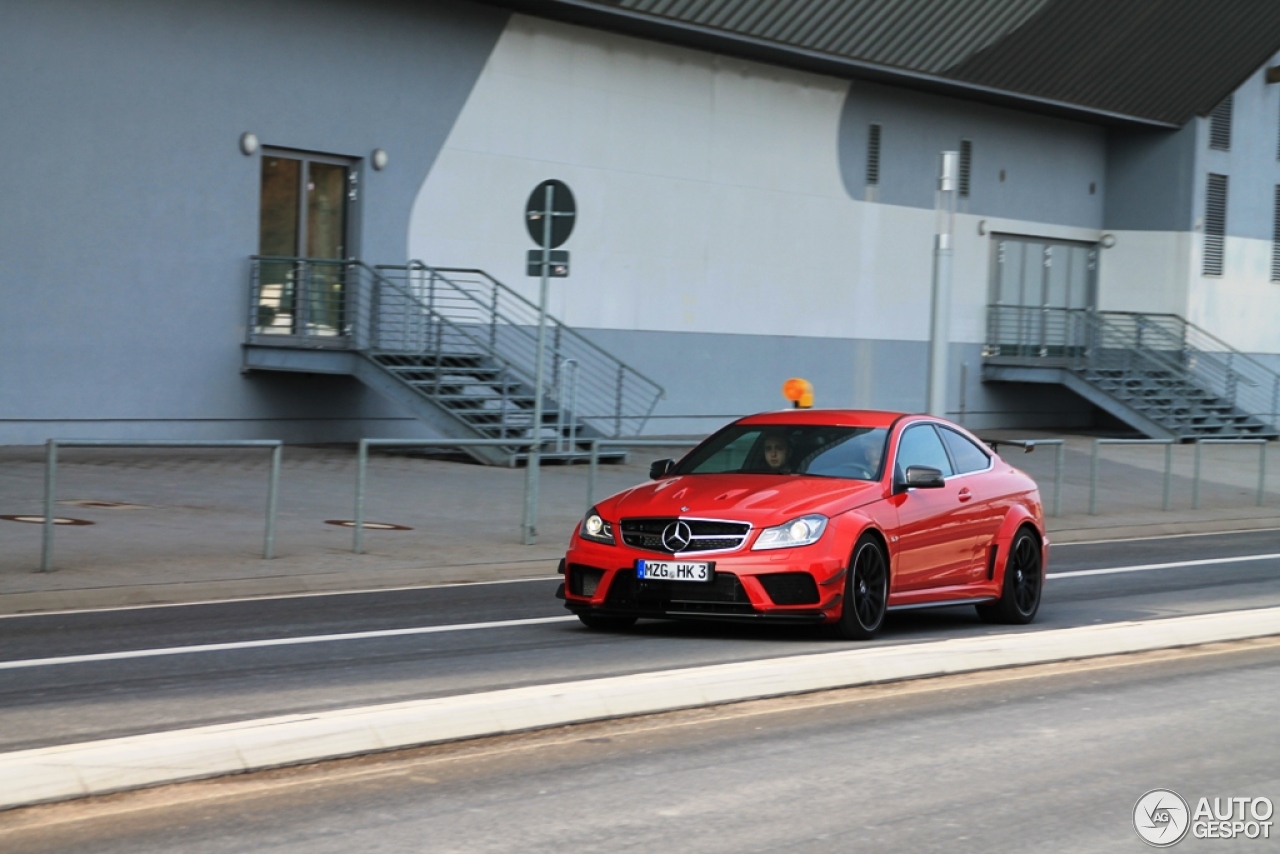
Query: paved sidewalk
x,y
192,523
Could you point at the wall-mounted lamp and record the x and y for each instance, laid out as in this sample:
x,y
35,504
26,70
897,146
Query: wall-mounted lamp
x,y
982,226
1107,241
379,159
248,143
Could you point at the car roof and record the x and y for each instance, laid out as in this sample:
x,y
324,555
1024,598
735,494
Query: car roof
x,y
831,417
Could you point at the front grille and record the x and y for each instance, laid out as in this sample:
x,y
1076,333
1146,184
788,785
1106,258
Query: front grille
x,y
722,595
790,588
707,534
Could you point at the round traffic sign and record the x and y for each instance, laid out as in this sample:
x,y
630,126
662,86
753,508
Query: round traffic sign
x,y
561,210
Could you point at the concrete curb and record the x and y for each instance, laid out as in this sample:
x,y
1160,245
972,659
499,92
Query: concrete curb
x,y
98,767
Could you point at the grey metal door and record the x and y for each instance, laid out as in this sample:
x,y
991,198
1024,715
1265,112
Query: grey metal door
x,y
1039,289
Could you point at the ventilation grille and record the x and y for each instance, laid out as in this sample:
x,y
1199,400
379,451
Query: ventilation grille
x,y
1275,239
1215,223
1220,125
966,166
873,156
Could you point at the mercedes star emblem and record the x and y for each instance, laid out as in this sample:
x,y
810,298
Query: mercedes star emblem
x,y
676,536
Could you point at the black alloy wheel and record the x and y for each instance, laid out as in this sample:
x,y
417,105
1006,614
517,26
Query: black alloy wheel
x,y
866,593
601,623
1023,576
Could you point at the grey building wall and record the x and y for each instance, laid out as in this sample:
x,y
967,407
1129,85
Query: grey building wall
x,y
1149,181
1024,166
128,210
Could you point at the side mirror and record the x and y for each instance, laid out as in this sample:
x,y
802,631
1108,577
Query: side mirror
x,y
660,469
922,477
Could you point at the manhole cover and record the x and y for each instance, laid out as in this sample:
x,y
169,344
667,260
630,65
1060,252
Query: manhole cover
x,y
372,526
110,505
39,520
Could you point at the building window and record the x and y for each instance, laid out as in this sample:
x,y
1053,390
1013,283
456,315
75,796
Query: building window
x,y
873,156
1275,238
1220,125
1215,223
966,166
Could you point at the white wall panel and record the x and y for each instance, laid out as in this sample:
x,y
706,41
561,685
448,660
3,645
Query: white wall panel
x,y
1242,305
709,191
1145,271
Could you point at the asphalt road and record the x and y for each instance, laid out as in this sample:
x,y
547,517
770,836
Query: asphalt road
x,y
453,640
1047,759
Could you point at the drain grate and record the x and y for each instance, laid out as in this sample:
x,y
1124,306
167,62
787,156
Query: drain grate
x,y
368,526
39,520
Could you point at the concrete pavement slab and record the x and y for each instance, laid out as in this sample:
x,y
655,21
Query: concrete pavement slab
x,y
181,525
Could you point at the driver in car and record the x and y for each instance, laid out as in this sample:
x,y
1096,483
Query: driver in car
x,y
776,452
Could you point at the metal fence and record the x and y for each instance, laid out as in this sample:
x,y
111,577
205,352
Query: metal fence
x,y
51,480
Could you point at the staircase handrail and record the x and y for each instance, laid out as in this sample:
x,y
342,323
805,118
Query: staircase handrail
x,y
1223,369
363,316
1200,332
609,374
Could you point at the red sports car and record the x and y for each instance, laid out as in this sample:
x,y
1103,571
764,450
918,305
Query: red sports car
x,y
832,517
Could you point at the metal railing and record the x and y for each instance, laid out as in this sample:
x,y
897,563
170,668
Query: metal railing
x,y
613,396
1093,468
1159,343
51,477
1262,467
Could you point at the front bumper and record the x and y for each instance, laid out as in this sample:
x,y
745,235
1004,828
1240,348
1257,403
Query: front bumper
x,y
797,586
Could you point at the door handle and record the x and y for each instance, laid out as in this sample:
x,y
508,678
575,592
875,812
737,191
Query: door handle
x,y
964,494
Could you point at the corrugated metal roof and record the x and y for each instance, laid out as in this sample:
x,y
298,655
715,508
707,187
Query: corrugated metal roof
x,y
1148,61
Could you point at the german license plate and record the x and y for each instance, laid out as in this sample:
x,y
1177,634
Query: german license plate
x,y
673,570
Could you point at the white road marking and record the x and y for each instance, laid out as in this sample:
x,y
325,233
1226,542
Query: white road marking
x,y
312,595
1146,567
499,624
256,644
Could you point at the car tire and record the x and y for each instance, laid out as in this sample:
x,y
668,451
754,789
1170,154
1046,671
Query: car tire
x,y
600,623
866,592
1023,583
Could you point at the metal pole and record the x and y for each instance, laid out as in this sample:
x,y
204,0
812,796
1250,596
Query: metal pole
x,y
50,486
1262,471
1195,480
273,495
591,472
1058,458
530,524
1093,480
362,460
940,314
1166,504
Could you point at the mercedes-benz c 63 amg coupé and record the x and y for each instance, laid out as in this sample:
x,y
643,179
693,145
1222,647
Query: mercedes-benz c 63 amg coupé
x,y
832,517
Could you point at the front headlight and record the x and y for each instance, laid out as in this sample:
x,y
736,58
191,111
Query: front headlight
x,y
596,529
798,532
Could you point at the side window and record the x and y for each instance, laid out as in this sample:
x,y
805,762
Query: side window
x,y
968,456
920,446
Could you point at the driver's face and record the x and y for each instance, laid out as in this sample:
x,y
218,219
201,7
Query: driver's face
x,y
775,452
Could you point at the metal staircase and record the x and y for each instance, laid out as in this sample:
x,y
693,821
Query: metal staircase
x,y
456,348
1158,373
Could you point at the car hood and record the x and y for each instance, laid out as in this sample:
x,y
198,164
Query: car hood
x,y
759,499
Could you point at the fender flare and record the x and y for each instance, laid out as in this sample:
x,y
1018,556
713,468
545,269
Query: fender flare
x,y
1017,518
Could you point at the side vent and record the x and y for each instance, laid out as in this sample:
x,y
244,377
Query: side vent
x,y
1215,223
1275,238
991,562
1220,124
873,156
966,166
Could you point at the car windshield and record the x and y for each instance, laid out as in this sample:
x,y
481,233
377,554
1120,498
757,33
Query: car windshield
x,y
806,449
